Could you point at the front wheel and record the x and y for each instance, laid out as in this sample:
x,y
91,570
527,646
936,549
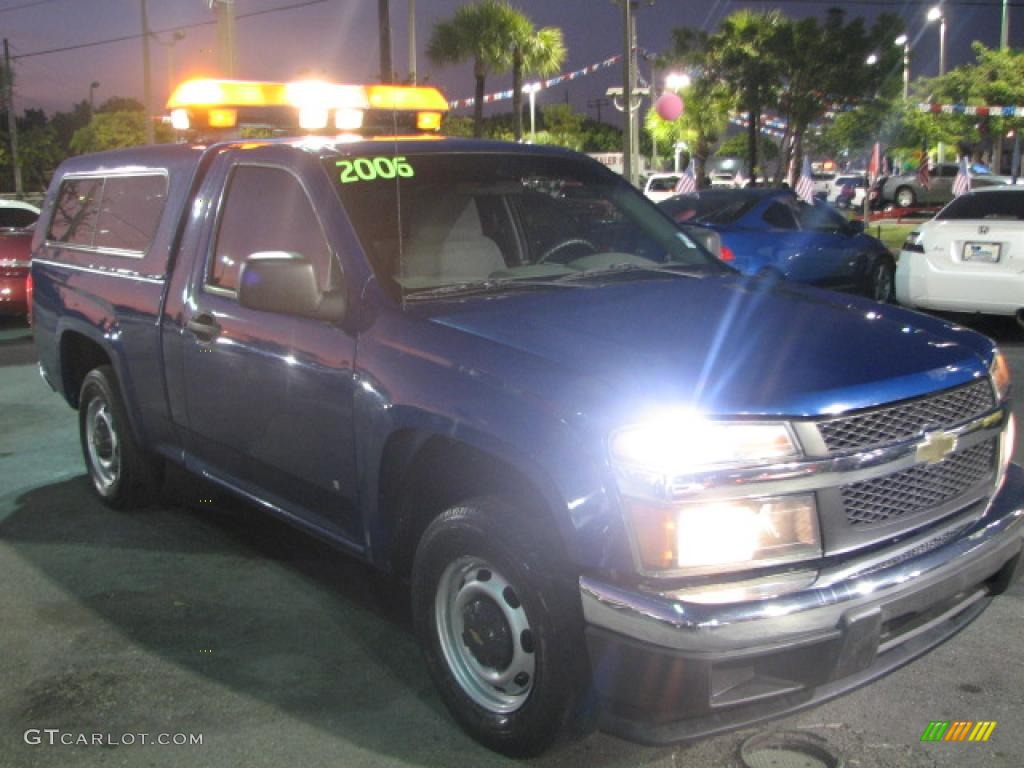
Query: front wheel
x,y
882,286
120,472
905,197
499,624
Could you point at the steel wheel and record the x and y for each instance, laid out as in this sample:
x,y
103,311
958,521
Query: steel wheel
x,y
905,197
882,288
485,635
104,448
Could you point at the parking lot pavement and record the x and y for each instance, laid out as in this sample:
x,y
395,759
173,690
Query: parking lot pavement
x,y
200,616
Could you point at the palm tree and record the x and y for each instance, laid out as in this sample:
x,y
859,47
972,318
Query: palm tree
x,y
481,33
701,125
534,52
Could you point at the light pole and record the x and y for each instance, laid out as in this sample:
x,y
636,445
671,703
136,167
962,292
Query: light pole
x,y
92,87
1004,29
905,42
412,42
147,83
935,14
176,36
531,89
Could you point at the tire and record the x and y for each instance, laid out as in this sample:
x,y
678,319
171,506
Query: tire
x,y
120,473
500,626
905,197
881,286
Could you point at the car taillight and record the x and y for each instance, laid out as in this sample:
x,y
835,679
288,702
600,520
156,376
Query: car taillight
x,y
914,243
28,295
726,253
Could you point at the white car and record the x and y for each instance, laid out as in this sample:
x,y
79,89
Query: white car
x,y
969,258
723,179
661,186
840,199
15,214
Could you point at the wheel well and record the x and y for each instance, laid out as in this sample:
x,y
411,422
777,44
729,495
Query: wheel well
x,y
78,355
419,479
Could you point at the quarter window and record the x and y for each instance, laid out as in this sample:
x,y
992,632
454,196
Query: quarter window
x,y
17,217
778,216
266,209
130,212
74,216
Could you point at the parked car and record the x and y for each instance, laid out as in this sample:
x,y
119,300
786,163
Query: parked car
x,y
15,253
969,258
848,192
629,486
723,179
905,191
16,214
660,186
769,231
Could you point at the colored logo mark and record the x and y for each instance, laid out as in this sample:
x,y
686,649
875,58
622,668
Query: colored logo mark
x,y
958,730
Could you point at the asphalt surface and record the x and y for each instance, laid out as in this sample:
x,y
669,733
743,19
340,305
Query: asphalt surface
x,y
201,616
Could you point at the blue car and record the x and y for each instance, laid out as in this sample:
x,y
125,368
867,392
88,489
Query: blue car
x,y
771,232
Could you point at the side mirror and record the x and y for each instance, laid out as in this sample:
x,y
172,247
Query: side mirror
x,y
285,283
856,227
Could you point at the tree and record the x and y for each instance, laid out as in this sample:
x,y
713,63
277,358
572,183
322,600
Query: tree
x,y
112,130
738,146
482,33
534,52
705,117
821,65
742,55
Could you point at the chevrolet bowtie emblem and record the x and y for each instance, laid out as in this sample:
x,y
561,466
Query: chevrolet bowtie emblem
x,y
936,447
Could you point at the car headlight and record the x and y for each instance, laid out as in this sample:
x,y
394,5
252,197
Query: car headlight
x,y
725,535
1000,373
681,443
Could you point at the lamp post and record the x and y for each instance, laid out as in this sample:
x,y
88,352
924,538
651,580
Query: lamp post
x,y
176,36
935,14
905,42
531,90
92,87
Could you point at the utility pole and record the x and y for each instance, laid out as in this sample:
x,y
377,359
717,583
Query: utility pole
x,y
225,10
12,120
412,42
384,28
1004,30
627,91
147,84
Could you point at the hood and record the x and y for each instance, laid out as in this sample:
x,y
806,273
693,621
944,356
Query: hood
x,y
726,345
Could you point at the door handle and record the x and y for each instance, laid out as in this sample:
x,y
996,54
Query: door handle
x,y
204,327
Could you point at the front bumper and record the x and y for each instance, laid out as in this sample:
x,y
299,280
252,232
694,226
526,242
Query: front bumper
x,y
668,670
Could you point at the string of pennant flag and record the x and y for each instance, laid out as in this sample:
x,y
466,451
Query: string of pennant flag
x,y
565,77
969,109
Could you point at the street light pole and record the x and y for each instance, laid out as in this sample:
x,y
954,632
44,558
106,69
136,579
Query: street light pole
x,y
627,91
905,42
1004,30
92,87
936,14
412,42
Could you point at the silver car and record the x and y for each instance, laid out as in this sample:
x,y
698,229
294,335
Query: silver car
x,y
906,191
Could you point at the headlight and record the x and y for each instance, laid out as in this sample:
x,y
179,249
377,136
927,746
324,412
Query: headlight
x,y
681,443
725,535
1000,373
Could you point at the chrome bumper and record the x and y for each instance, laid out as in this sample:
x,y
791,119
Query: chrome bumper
x,y
969,558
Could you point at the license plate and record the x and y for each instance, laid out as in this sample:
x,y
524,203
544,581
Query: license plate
x,y
988,252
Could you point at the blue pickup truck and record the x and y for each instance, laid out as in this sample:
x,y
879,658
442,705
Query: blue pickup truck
x,y
620,477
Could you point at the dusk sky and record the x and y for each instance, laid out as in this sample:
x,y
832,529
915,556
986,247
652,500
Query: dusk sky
x,y
338,38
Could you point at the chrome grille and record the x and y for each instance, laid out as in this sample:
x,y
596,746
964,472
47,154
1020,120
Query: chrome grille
x,y
921,487
904,420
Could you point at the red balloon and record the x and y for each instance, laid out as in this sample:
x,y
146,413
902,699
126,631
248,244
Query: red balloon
x,y
669,106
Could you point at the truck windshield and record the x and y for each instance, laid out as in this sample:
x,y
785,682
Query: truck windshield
x,y
435,220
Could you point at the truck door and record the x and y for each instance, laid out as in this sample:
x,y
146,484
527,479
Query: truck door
x,y
268,396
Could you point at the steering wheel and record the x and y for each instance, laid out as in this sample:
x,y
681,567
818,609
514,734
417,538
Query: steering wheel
x,y
569,241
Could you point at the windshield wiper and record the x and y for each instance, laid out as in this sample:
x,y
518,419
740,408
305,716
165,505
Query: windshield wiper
x,y
680,270
487,286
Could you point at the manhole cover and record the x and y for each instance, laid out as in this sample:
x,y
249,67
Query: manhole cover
x,y
788,749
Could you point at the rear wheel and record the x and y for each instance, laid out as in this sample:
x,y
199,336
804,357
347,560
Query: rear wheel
x,y
500,626
120,471
905,197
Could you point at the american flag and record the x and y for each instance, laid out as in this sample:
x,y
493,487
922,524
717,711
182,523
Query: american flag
x,y
687,183
804,186
923,177
962,182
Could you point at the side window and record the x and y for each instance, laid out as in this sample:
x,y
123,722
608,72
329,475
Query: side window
x,y
778,216
820,218
17,217
265,209
74,215
130,212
